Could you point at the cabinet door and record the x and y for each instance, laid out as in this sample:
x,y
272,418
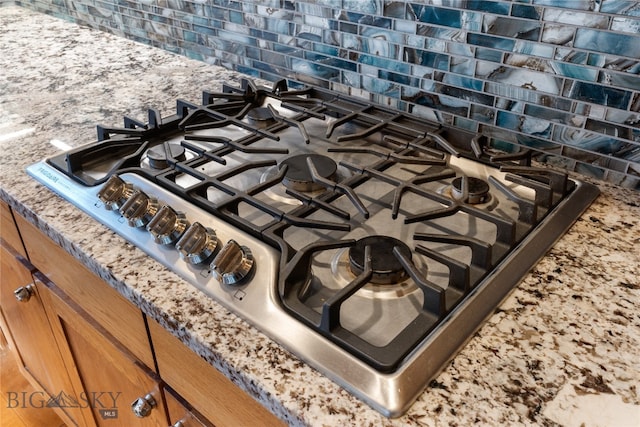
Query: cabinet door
x,y
112,377
30,335
181,413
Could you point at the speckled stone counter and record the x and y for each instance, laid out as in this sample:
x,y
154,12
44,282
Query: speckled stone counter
x,y
564,348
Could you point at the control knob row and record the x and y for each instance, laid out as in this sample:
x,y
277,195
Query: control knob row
x,y
195,242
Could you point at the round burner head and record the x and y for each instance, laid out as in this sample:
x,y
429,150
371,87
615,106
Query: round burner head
x,y
261,117
158,155
298,177
478,190
387,269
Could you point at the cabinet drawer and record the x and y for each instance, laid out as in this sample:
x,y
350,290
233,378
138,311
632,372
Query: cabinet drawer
x,y
209,392
103,303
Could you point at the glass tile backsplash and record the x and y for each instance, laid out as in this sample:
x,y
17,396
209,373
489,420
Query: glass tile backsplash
x,y
559,76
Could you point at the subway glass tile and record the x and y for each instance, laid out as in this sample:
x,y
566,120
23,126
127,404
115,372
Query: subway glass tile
x,y
558,34
464,82
497,8
459,49
568,4
427,58
398,10
464,94
621,7
317,70
376,85
405,26
398,78
627,118
525,124
512,27
352,17
351,79
442,33
205,30
313,9
348,28
489,55
482,113
574,71
526,11
578,19
236,17
384,63
619,80
463,66
571,55
598,94
464,123
609,129
602,41
490,41
553,115
364,6
533,49
587,140
437,15
626,25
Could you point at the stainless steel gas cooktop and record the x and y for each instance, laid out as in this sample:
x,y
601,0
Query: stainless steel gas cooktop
x,y
368,242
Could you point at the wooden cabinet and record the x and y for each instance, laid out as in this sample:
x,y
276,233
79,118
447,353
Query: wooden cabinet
x,y
118,388
25,325
180,412
95,352
204,387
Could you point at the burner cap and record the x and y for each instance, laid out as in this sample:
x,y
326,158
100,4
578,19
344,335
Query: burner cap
x,y
478,189
261,116
158,156
387,269
298,176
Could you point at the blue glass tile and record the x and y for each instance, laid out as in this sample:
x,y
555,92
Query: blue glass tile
x,y
438,15
365,6
346,27
350,16
205,30
524,124
398,78
305,67
464,82
558,34
572,56
598,94
492,42
567,4
579,19
405,26
525,11
533,49
626,25
427,58
482,113
253,52
488,6
602,41
621,7
384,63
350,79
575,71
326,49
549,114
463,66
489,55
516,28
396,9
236,17
350,41
620,80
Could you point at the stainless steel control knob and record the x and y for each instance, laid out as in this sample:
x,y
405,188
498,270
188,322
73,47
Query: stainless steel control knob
x,y
197,243
139,209
232,264
167,225
142,406
115,192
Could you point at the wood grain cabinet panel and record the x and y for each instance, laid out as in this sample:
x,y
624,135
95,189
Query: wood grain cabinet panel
x,y
103,303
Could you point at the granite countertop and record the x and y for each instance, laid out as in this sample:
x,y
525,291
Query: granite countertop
x,y
563,348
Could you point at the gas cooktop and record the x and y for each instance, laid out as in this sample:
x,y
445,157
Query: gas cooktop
x,y
368,242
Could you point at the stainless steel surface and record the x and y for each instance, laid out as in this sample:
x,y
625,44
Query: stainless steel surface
x,y
143,406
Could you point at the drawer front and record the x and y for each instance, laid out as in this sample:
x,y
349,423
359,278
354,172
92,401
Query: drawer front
x,y
208,391
103,303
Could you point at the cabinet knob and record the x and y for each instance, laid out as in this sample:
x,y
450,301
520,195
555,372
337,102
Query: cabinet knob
x,y
24,293
142,406
178,424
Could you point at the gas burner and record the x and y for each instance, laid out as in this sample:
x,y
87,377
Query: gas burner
x,y
261,117
298,176
477,190
160,155
386,267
